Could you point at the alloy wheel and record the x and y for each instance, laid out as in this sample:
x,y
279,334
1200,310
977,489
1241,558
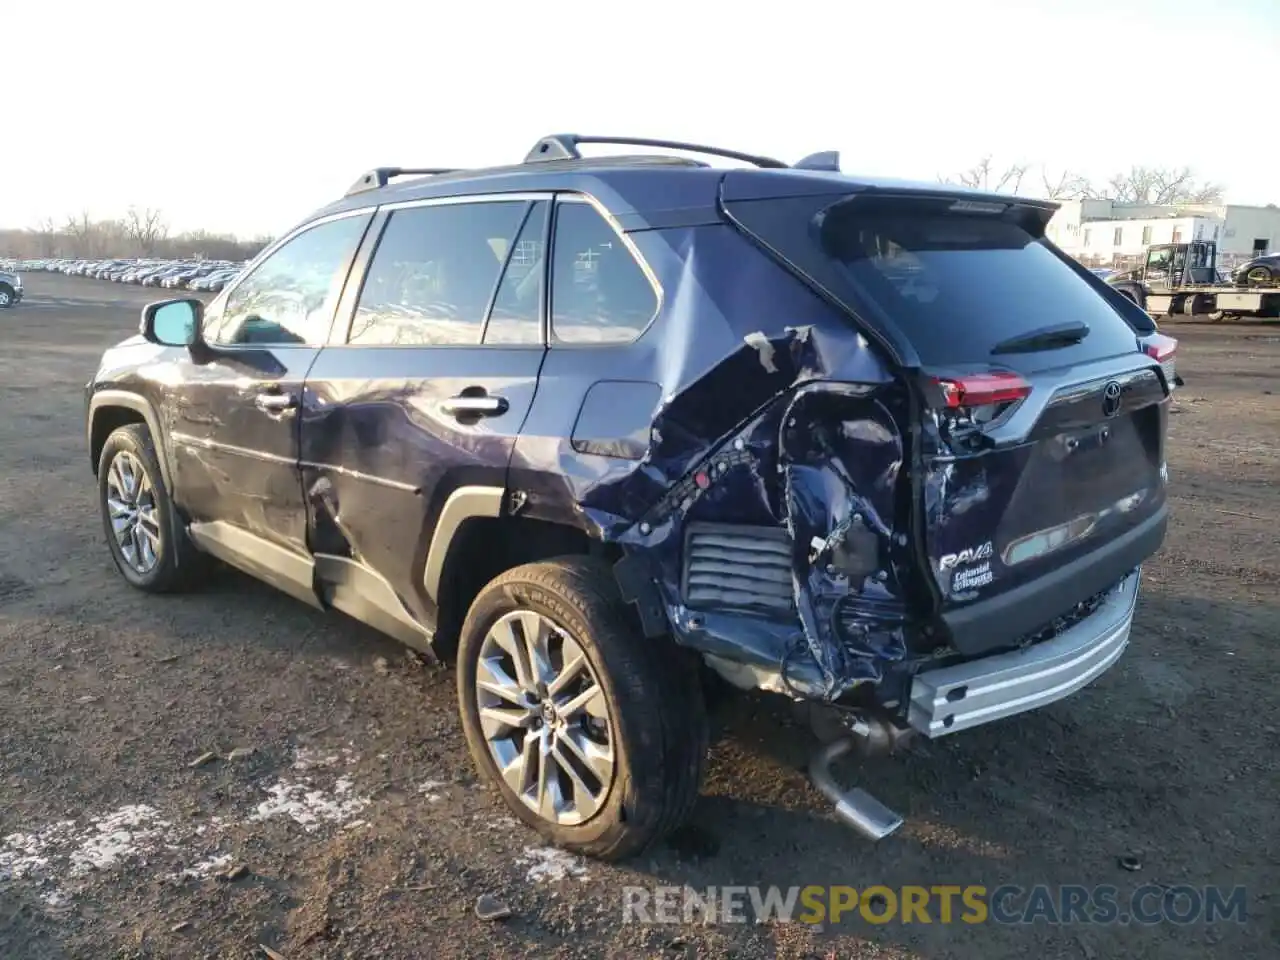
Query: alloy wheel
x,y
545,718
131,507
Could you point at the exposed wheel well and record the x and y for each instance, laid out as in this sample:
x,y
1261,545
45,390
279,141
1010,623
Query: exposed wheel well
x,y
484,548
106,421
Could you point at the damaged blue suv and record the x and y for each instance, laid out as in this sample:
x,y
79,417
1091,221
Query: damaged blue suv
x,y
607,430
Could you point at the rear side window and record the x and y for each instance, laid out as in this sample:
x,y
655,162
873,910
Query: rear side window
x,y
599,293
959,285
433,274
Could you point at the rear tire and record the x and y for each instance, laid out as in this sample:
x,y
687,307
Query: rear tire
x,y
7,296
147,544
649,688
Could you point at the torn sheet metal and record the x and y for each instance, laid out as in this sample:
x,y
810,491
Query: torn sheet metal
x,y
821,464
772,424
840,460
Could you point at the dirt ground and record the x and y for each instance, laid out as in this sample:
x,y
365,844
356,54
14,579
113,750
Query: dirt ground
x,y
350,824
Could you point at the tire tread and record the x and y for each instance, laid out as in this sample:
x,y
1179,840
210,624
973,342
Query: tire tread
x,y
654,679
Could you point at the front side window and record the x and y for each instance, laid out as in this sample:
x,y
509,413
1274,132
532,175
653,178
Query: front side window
x,y
289,298
434,272
599,293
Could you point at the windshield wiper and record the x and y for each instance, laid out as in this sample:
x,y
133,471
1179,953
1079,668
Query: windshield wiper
x,y
1046,338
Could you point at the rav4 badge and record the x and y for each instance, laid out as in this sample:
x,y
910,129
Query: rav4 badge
x,y
967,555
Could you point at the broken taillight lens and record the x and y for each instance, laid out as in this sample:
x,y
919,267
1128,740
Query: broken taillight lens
x,y
982,389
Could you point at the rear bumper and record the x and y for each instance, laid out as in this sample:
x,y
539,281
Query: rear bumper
x,y
1008,617
949,699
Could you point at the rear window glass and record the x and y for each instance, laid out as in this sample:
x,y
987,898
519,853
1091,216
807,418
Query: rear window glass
x,y
959,285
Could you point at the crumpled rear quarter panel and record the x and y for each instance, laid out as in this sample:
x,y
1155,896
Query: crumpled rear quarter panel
x,y
748,402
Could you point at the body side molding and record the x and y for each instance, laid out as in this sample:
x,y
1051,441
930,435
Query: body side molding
x,y
354,589
283,569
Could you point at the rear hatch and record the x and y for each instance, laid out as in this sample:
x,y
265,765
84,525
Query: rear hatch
x,y
1037,416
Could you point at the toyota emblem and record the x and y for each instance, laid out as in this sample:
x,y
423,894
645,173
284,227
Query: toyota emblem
x,y
1111,399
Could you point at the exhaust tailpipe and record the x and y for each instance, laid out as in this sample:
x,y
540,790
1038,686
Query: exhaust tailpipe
x,y
856,808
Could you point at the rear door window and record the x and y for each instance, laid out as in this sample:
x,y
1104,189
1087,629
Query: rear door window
x,y
434,273
516,317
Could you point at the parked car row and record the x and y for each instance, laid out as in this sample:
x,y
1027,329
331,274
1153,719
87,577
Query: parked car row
x,y
210,275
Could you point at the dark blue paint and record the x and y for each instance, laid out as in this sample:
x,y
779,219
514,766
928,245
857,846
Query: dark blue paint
x,y
750,399
616,417
380,456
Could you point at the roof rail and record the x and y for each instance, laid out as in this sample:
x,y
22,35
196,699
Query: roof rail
x,y
380,176
564,146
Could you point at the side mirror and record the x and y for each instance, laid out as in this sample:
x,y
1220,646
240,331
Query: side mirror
x,y
173,323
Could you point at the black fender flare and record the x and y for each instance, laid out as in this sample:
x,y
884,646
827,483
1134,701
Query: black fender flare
x,y
123,399
463,504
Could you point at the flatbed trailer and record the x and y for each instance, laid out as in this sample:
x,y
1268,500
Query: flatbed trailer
x,y
1214,301
1181,279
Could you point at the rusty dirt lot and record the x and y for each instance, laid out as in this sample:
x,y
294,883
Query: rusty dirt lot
x,y
348,823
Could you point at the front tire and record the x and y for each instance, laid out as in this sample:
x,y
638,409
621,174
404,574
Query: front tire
x,y
138,518
7,296
595,735
1258,276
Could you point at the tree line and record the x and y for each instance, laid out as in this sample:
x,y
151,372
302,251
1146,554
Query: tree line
x,y
141,232
1139,184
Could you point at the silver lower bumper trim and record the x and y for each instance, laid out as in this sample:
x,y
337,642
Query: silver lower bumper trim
x,y
949,699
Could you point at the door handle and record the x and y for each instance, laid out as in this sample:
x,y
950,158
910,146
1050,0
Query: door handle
x,y
275,402
475,406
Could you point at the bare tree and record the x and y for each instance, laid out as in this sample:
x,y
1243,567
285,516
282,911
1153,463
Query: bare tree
x,y
79,235
1067,186
983,176
146,228
47,235
1162,185
83,234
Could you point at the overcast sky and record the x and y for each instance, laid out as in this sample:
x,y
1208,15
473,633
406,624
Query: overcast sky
x,y
243,117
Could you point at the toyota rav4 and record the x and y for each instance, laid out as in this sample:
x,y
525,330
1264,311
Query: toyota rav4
x,y
609,429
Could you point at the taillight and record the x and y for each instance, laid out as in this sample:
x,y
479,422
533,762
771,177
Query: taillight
x,y
1163,350
981,389
1160,347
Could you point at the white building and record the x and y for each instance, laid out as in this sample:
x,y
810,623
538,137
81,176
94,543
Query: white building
x,y
1102,232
